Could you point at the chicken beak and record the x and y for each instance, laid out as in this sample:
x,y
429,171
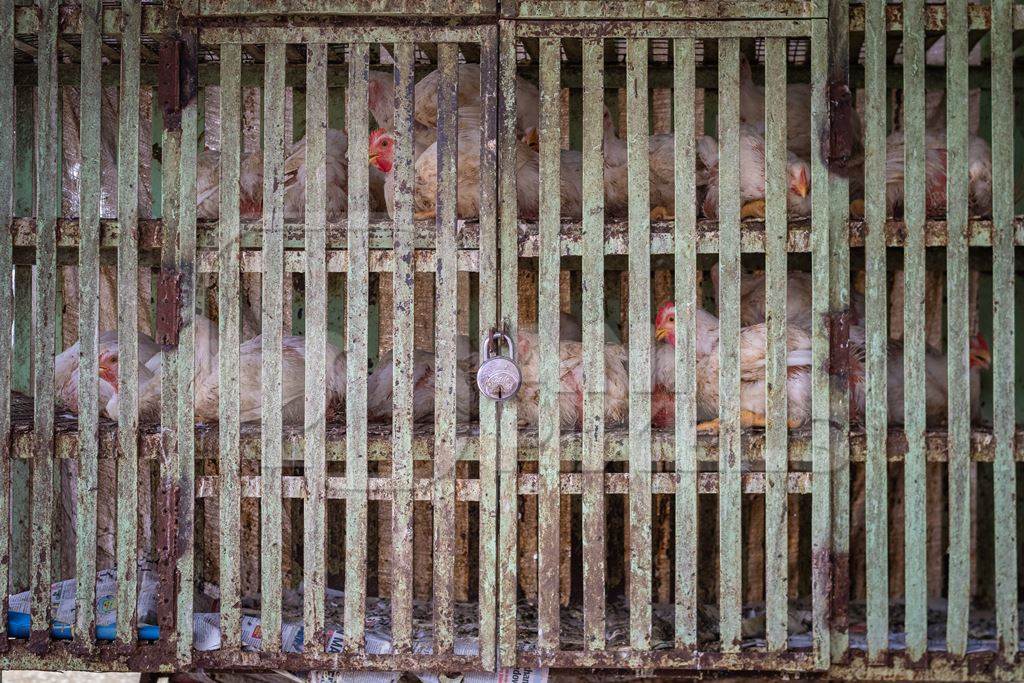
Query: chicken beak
x,y
660,333
801,188
374,157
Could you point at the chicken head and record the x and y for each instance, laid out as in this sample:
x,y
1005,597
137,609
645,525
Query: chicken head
x,y
382,150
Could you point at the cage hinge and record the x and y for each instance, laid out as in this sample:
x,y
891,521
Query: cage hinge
x,y
168,307
839,345
840,127
178,80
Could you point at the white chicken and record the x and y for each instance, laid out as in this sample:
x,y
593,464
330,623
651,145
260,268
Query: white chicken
x,y
979,176
66,371
753,295
250,186
752,177
936,380
570,371
380,386
753,384
381,154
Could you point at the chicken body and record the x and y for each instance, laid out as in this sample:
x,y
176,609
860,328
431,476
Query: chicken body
x,y
979,174
570,372
752,177
66,371
753,383
380,386
250,186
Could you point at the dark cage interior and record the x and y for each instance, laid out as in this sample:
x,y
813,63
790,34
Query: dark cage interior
x,y
757,264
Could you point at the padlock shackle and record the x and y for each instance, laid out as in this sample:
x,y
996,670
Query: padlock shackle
x,y
495,337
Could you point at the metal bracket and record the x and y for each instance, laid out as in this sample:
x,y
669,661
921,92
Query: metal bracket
x,y
840,127
168,307
178,80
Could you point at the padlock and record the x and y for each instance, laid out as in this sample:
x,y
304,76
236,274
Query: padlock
x,y
499,376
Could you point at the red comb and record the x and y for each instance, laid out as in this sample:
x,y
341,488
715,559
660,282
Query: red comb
x,y
978,342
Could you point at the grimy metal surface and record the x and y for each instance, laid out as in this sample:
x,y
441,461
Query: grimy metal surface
x,y
815,462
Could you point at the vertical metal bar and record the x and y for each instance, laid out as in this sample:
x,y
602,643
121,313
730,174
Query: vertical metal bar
x,y
593,345
446,326
776,434
88,325
684,93
509,299
314,508
821,509
1003,321
957,328
839,299
43,314
404,319
638,156
356,325
488,316
185,419
6,292
273,332
876,476
127,325
548,499
228,364
915,576
729,526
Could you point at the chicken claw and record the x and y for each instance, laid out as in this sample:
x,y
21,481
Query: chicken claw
x,y
429,214
857,208
660,213
754,209
710,426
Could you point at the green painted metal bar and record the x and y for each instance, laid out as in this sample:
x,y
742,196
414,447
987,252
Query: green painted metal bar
x,y
548,499
400,8
445,330
21,380
402,353
916,575
729,526
821,468
509,300
487,318
332,34
183,421
44,297
88,326
315,470
876,476
228,362
957,329
127,550
272,302
839,299
1003,321
684,101
776,437
6,291
24,151
593,346
358,121
670,29
638,155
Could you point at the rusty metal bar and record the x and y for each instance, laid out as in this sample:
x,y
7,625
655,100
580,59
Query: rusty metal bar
x,y
315,409
88,327
915,577
357,121
729,527
488,318
776,439
44,297
957,329
271,299
876,476
509,302
1003,321
593,345
403,354
638,154
548,503
184,420
7,166
445,330
228,361
821,530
